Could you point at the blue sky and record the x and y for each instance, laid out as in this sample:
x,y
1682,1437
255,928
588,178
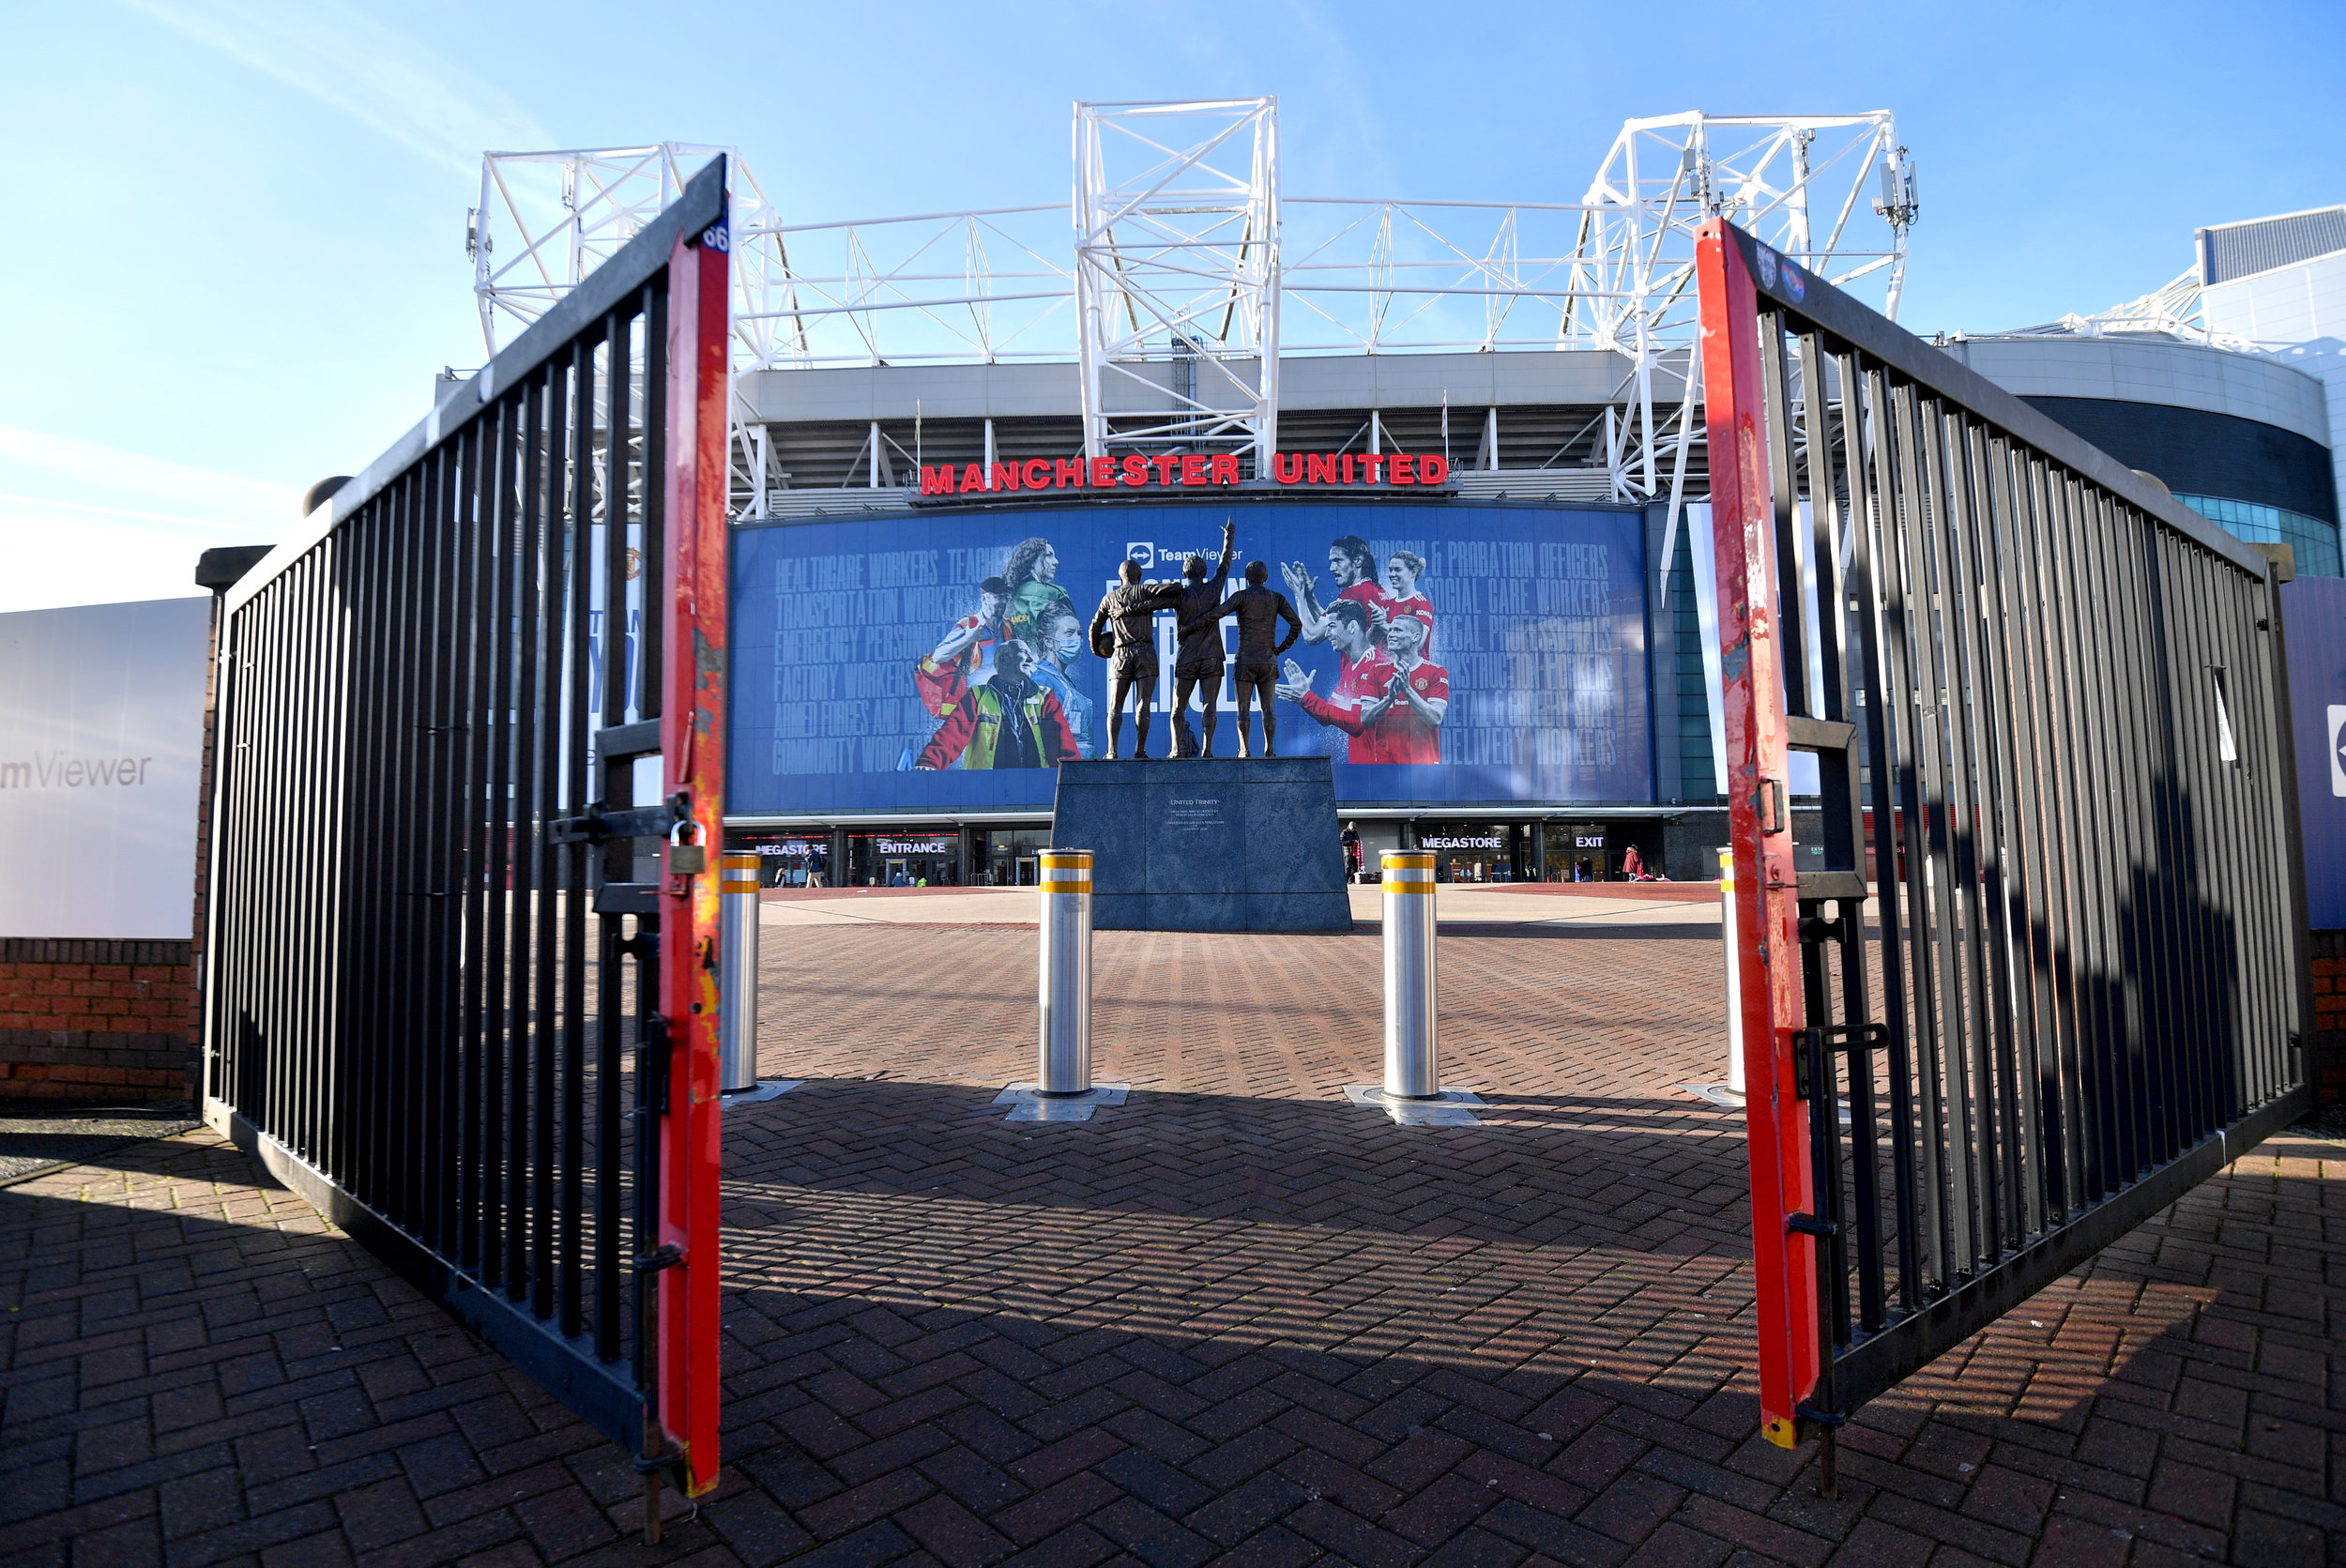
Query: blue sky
x,y
236,255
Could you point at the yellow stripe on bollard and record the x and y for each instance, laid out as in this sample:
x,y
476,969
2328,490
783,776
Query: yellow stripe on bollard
x,y
1067,871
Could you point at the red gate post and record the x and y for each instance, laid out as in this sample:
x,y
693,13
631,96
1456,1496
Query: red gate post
x,y
692,748
1767,881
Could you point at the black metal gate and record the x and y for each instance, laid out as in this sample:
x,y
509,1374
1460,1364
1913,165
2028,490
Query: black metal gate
x,y
435,998
2059,696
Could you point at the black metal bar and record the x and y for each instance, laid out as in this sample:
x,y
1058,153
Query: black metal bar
x,y
1792,606
572,433
480,657
498,1149
520,1192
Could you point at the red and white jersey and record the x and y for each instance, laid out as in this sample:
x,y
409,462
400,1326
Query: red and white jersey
x,y
1416,604
1401,734
1357,686
1369,596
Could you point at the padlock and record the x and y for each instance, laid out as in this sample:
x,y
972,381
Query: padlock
x,y
686,860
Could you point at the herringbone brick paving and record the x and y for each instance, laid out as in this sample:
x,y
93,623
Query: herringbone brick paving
x,y
1236,1321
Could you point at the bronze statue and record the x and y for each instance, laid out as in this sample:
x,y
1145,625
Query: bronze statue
x,y
1260,610
1122,633
1199,657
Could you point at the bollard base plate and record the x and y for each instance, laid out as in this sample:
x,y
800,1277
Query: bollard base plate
x,y
767,1088
1028,1105
1447,1109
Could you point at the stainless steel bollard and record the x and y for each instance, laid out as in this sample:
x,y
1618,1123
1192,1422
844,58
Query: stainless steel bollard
x,y
1734,974
1065,1067
737,972
1413,1068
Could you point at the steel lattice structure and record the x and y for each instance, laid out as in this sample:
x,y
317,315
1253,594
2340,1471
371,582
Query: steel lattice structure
x,y
1189,271
1192,279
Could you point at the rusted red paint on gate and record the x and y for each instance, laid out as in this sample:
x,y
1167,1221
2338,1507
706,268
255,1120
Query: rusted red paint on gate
x,y
1784,1263
692,745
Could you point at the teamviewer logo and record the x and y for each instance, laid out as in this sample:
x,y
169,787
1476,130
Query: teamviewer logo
x,y
1144,555
2337,750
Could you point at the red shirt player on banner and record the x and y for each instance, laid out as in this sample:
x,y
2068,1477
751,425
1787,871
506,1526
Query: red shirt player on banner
x,y
1354,566
1362,676
1402,571
1405,725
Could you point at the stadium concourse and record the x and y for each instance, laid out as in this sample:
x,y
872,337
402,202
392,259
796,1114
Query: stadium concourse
x,y
1235,1319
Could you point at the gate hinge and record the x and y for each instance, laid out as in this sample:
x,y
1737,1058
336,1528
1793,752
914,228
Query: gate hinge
x,y
1805,1224
667,1256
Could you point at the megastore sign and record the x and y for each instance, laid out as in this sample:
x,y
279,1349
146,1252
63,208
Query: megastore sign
x,y
940,661
1178,471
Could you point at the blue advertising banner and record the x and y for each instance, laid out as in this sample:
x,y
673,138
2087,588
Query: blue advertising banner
x,y
2313,617
1451,654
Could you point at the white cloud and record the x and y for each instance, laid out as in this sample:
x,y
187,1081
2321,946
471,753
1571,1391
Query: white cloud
x,y
88,524
354,64
86,474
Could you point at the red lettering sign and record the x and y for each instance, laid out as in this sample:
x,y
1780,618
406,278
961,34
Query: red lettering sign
x,y
1167,469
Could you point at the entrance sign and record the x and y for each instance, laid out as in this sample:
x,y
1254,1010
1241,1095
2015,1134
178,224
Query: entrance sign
x,y
461,964
102,731
2065,691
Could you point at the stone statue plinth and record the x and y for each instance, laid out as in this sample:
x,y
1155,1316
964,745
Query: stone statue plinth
x,y
1207,843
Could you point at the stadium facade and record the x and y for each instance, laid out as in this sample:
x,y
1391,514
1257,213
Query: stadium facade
x,y
949,430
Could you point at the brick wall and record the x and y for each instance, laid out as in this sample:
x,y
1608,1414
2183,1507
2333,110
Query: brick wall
x,y
2328,1064
95,1020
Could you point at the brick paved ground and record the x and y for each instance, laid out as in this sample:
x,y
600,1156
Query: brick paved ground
x,y
1236,1321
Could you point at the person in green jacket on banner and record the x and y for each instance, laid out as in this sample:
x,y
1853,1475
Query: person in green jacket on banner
x,y
1010,721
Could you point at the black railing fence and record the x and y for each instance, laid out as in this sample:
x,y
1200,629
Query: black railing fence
x,y
2082,984
430,997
